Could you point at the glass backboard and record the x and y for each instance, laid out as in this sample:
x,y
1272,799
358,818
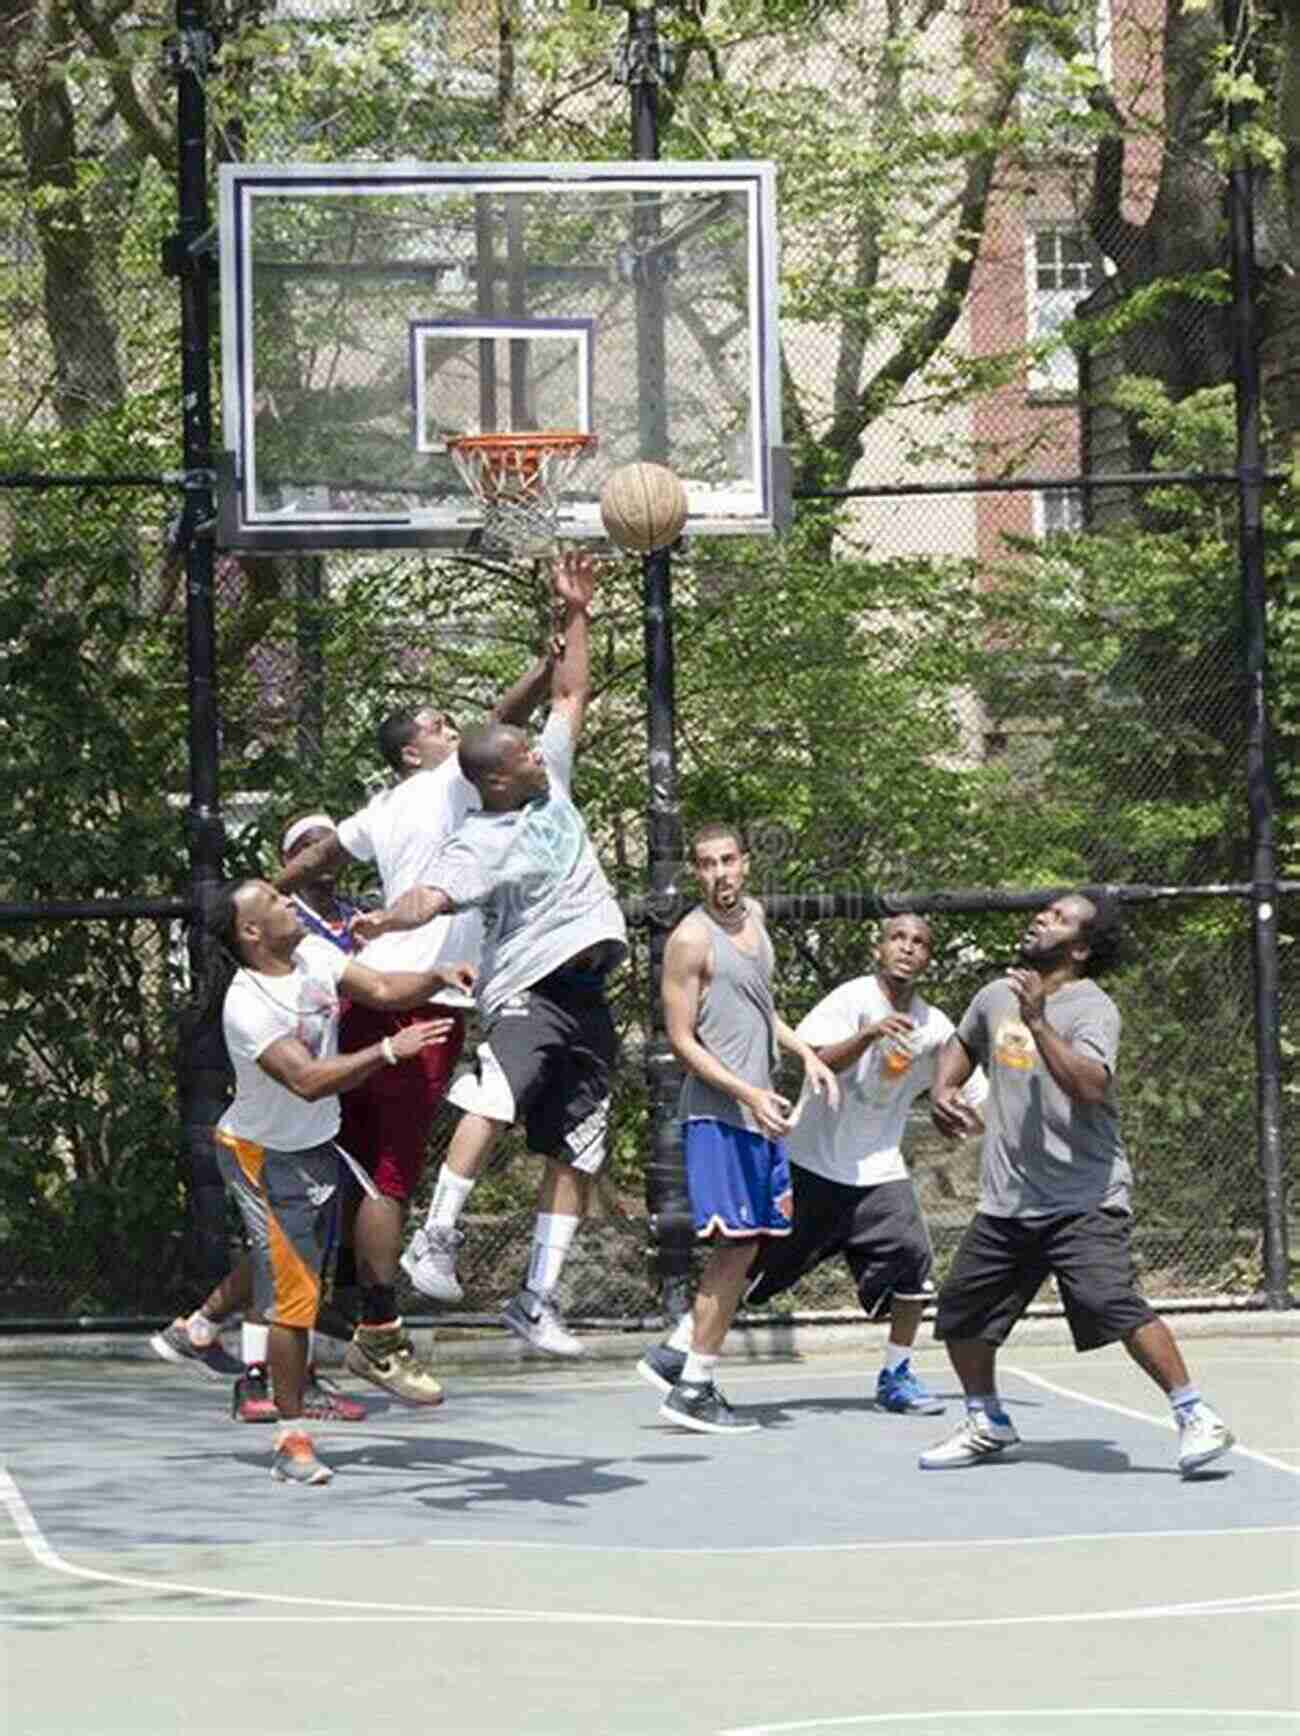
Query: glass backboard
x,y
372,311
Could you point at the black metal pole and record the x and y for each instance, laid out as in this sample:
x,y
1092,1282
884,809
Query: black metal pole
x,y
1261,789
671,1227
202,1076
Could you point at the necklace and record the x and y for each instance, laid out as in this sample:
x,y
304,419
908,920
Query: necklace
x,y
731,921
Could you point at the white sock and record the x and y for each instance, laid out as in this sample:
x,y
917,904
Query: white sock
x,y
201,1331
311,1347
699,1368
987,1403
552,1239
449,1195
1182,1398
253,1342
681,1335
896,1355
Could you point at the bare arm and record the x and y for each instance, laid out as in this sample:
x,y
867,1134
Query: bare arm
x,y
1078,1075
291,1064
412,910
949,1111
685,963
821,1081
309,864
397,991
517,704
571,675
850,1050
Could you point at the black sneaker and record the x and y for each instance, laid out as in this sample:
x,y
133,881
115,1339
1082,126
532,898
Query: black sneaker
x,y
662,1366
702,1407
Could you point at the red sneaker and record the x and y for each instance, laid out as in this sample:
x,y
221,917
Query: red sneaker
x,y
251,1401
323,1402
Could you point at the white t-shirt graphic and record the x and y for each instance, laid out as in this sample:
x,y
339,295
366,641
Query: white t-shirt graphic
x,y
860,1144
258,1011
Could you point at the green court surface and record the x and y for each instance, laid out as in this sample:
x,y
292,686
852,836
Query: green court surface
x,y
543,1554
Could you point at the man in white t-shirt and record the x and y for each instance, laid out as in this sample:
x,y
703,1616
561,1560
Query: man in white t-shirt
x,y
386,1123
276,1139
853,1195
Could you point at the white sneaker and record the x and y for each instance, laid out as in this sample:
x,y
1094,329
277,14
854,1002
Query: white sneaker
x,y
1202,1437
430,1263
975,1439
543,1329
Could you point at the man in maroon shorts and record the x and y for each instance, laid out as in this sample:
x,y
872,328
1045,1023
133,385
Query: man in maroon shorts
x,y
386,1121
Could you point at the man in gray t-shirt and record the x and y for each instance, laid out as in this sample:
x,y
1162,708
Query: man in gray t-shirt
x,y
552,932
1054,1182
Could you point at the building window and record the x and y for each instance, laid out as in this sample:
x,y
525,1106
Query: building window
x,y
1057,512
1062,271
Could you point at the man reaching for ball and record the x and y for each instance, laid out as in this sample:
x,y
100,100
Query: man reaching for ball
x,y
553,931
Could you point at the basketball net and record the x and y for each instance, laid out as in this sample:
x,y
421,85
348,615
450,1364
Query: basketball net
x,y
517,480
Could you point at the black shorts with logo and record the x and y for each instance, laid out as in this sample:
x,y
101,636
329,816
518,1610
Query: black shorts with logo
x,y
1002,1263
546,1059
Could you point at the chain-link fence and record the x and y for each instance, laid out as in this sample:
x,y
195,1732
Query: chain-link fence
x,y
1020,659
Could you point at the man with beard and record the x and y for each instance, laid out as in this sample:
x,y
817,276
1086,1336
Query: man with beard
x,y
1054,1182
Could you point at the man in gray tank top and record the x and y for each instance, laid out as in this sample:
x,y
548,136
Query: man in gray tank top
x,y
724,1029
1054,1182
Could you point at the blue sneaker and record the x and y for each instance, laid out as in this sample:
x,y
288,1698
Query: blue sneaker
x,y
899,1390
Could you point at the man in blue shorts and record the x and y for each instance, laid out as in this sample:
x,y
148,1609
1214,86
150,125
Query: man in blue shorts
x,y
1054,1183
724,1029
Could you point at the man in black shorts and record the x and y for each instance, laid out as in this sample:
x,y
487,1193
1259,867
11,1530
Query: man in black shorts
x,y
853,1195
553,931
1054,1182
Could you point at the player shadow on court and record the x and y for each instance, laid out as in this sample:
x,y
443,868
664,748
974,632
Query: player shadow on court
x,y
462,1474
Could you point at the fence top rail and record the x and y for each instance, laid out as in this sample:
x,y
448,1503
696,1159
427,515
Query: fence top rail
x,y
661,909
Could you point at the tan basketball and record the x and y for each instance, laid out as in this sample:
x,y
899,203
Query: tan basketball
x,y
643,507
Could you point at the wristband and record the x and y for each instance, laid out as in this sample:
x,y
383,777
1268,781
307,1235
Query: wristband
x,y
389,1053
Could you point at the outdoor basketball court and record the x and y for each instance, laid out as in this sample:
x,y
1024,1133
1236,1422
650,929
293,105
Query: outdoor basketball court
x,y
543,1554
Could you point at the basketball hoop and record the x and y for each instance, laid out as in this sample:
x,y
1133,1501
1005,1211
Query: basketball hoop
x,y
517,479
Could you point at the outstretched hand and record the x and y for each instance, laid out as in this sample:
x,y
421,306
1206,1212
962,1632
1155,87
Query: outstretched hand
x,y
366,925
458,976
821,1081
574,579
412,1038
951,1114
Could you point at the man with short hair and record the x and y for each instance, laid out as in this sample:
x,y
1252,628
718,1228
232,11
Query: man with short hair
x,y
279,991
553,931
1054,1182
724,1028
386,1124
853,1196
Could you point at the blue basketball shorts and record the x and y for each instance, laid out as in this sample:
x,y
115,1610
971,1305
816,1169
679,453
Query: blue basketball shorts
x,y
739,1182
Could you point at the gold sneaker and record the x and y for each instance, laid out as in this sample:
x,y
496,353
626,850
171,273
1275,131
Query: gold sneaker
x,y
385,1356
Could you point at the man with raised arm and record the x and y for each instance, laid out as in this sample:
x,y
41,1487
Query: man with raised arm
x,y
1054,1182
386,1123
725,1030
552,932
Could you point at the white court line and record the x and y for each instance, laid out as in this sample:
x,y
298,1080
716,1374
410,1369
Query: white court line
x,y
964,1715
1164,1422
24,1521
864,1546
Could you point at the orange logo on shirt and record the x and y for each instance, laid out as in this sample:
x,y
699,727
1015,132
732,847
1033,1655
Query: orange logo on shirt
x,y
1013,1046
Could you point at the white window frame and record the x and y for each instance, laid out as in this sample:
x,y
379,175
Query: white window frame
x,y
1048,309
